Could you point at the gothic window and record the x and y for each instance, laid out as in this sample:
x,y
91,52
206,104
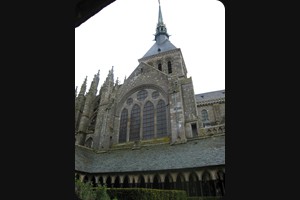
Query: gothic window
x,y
142,95
161,119
155,94
169,67
159,67
135,122
123,126
148,121
204,114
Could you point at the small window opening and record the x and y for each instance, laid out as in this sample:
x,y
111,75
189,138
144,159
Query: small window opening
x,y
169,67
159,67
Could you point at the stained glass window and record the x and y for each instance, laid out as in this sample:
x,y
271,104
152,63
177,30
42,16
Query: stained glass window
x,y
148,121
135,122
123,126
141,95
161,119
155,94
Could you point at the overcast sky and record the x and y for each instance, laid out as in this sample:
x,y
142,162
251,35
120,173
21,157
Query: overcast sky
x,y
123,32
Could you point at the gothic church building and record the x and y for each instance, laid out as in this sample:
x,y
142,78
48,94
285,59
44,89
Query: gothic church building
x,y
152,131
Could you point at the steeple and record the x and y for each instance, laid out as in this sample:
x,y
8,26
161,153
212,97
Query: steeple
x,y
161,28
162,43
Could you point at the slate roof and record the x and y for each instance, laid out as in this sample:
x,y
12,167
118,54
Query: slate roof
x,y
210,96
162,43
195,153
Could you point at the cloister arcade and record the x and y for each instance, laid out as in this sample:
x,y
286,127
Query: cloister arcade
x,y
199,182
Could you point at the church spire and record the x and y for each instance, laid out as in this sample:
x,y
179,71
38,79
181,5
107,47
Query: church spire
x,y
162,43
161,28
83,87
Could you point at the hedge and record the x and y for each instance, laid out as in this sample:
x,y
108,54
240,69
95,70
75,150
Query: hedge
x,y
145,194
204,198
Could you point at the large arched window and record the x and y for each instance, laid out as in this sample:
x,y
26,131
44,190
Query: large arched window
x,y
148,121
204,114
123,125
161,119
135,122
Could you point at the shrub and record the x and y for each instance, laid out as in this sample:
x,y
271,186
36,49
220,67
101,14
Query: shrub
x,y
146,194
84,191
101,192
204,198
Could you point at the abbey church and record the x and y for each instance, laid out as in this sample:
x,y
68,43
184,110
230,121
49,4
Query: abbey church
x,y
152,131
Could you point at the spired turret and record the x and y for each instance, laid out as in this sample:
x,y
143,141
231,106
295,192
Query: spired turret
x,y
79,102
87,111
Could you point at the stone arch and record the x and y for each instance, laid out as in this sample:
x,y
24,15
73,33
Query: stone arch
x,y
101,181
85,178
117,183
220,183
156,182
133,184
93,180
180,182
108,182
194,185
168,183
206,184
141,182
126,182
123,99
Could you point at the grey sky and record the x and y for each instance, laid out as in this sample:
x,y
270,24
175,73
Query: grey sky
x,y
123,32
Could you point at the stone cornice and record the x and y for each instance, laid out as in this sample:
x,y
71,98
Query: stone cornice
x,y
210,101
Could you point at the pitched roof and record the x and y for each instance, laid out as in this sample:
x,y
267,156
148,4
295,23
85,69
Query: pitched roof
x,y
195,153
210,96
162,45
